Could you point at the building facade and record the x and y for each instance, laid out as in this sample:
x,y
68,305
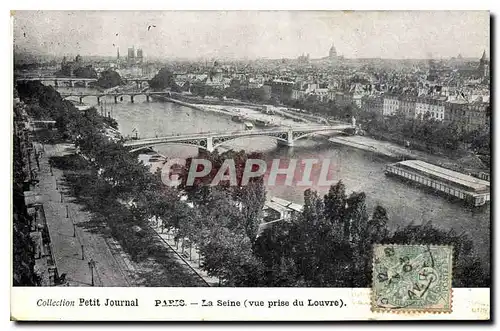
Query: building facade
x,y
407,106
435,108
477,115
391,105
373,104
343,99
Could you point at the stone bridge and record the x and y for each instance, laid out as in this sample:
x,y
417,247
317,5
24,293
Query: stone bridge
x,y
70,81
116,95
210,141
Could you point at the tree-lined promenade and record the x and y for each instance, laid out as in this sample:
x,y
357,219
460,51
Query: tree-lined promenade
x,y
329,244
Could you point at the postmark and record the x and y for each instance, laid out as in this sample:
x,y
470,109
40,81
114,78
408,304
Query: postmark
x,y
412,278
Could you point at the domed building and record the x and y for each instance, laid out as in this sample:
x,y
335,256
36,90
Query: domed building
x,y
332,55
332,58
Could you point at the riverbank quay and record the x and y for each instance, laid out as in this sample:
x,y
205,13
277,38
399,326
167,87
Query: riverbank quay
x,y
399,153
281,110
246,113
80,230
215,101
103,242
190,105
186,252
72,245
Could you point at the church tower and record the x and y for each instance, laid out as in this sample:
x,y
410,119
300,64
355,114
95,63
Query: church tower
x,y
484,66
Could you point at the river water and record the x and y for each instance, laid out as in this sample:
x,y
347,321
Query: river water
x,y
359,170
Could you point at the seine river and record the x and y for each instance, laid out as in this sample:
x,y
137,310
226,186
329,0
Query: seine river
x,y
359,170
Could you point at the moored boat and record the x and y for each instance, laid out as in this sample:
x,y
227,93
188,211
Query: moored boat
x,y
237,118
470,189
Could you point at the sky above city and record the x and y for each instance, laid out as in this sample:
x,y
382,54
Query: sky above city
x,y
254,34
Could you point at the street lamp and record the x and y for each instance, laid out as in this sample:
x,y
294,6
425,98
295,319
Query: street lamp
x,y
92,266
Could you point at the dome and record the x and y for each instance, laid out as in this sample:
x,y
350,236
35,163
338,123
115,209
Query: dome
x,y
333,51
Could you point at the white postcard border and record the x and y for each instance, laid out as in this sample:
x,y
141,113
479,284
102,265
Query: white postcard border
x,y
164,304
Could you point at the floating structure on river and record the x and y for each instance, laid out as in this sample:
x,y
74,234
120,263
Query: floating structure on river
x,y
470,189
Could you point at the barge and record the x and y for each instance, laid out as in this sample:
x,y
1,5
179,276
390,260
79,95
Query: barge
x,y
473,190
237,119
261,123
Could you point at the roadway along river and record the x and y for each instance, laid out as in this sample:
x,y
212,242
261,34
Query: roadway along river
x,y
359,170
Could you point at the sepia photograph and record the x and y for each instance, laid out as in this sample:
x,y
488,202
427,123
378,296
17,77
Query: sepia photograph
x,y
253,149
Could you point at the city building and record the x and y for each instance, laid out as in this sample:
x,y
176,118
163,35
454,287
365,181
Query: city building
x,y
139,57
343,99
298,94
432,107
477,115
68,68
332,58
371,103
391,105
484,66
332,54
303,59
407,106
281,89
455,111
131,56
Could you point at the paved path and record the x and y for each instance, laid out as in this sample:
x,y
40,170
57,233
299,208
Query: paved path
x,y
67,236
190,257
69,230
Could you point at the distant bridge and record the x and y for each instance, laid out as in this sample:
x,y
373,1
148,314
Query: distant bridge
x,y
210,141
98,95
72,80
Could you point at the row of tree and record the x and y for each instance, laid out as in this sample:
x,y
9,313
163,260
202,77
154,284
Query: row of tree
x,y
328,244
424,133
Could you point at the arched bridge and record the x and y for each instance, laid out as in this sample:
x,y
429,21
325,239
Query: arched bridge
x,y
116,95
210,141
70,81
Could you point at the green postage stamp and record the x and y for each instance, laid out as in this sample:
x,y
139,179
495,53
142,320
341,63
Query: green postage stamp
x,y
412,278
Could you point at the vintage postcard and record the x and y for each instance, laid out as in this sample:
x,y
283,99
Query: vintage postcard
x,y
251,165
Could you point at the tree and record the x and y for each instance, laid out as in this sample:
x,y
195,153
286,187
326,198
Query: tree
x,y
224,243
253,197
328,244
376,229
85,72
335,202
109,78
356,217
465,260
164,79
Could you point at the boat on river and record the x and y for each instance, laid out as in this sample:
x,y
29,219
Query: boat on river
x,y
261,123
472,190
237,119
